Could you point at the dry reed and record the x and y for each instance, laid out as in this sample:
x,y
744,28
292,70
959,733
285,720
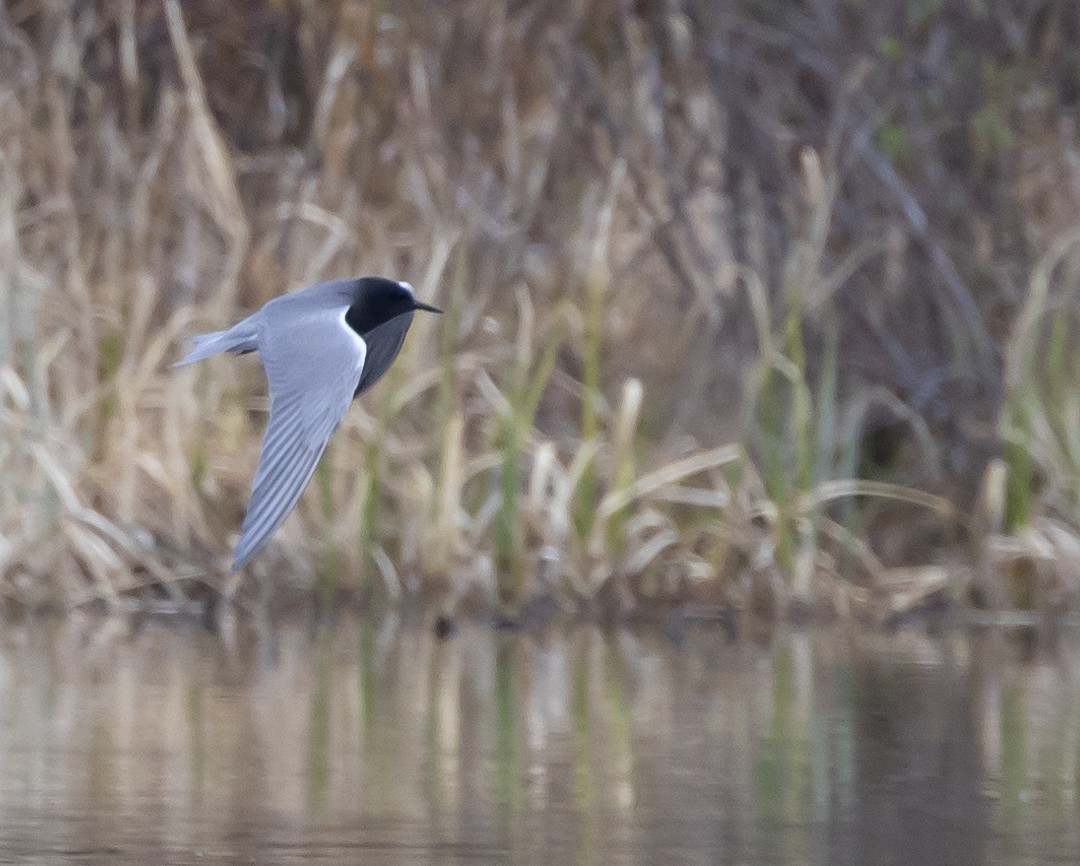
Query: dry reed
x,y
724,303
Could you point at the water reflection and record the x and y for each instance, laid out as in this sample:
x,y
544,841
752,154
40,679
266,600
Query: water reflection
x,y
371,741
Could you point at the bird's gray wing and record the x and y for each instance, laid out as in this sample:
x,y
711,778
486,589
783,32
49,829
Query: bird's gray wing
x,y
313,361
383,345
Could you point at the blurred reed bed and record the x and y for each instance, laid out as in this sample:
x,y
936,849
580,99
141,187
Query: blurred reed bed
x,y
739,312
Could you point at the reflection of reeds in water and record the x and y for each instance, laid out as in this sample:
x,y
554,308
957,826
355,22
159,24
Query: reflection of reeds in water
x,y
578,744
619,268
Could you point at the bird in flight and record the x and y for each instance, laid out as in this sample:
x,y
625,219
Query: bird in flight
x,y
321,347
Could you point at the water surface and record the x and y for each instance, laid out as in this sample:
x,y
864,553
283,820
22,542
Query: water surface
x,y
372,741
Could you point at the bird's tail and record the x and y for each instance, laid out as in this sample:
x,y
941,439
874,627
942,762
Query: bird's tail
x,y
239,338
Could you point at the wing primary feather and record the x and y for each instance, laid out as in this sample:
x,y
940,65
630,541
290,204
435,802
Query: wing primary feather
x,y
271,511
271,479
271,473
275,511
278,436
285,467
271,476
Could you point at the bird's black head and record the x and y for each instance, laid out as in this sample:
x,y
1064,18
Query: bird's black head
x,y
377,300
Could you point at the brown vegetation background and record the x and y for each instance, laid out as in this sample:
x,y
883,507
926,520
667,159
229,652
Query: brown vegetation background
x,y
748,303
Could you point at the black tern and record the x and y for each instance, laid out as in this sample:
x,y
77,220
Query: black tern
x,y
321,347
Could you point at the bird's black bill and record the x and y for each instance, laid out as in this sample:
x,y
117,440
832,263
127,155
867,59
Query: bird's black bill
x,y
420,305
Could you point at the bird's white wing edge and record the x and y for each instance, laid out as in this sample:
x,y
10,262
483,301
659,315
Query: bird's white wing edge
x,y
307,405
